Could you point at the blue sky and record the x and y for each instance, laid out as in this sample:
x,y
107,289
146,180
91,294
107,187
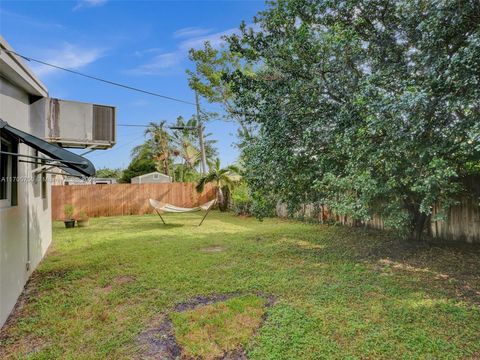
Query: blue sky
x,y
139,43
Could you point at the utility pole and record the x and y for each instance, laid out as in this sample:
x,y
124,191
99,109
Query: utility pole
x,y
200,136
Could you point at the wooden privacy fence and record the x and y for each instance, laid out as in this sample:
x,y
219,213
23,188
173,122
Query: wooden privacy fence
x,y
124,199
462,222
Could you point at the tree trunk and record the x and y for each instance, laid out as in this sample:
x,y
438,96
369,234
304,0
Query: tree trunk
x,y
223,198
220,197
418,225
226,199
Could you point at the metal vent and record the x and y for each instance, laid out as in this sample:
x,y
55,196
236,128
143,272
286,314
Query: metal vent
x,y
74,124
103,123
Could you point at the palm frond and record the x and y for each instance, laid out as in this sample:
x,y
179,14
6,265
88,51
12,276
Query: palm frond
x,y
217,164
234,169
227,181
201,184
210,177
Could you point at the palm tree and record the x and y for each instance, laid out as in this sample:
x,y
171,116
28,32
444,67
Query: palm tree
x,y
222,178
185,142
160,145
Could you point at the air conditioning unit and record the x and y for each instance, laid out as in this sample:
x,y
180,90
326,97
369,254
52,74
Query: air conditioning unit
x,y
75,124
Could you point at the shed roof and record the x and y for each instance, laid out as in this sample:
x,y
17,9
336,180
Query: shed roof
x,y
152,173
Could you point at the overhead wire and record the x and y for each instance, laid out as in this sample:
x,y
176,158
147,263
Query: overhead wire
x,y
128,87
117,147
28,58
110,82
146,126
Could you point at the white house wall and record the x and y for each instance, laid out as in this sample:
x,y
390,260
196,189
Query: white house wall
x,y
25,229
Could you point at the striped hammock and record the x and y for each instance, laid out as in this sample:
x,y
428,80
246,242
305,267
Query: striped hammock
x,y
157,205
160,207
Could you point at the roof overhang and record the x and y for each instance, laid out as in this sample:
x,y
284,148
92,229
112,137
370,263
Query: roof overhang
x,y
71,163
13,68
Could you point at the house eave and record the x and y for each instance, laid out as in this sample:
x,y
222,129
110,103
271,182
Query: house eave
x,y
13,68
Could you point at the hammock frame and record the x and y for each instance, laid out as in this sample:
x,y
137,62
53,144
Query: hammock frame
x,y
165,207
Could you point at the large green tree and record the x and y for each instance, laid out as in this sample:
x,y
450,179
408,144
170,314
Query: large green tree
x,y
367,106
138,166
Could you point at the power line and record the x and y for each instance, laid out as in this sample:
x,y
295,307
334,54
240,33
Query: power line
x,y
117,147
132,125
146,126
173,127
102,80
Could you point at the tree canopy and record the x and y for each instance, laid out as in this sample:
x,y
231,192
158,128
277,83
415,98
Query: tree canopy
x,y
369,107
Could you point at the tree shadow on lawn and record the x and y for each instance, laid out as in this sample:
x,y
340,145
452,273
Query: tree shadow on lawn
x,y
452,267
449,266
152,221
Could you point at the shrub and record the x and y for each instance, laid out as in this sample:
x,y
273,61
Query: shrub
x,y
68,211
241,199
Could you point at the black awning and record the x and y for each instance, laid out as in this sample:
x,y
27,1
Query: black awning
x,y
74,164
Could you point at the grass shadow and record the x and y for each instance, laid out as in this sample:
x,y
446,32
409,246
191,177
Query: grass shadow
x,y
170,226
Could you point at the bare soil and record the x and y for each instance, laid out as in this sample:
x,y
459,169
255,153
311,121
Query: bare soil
x,y
158,342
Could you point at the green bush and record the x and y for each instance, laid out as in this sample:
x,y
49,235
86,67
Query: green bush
x,y
241,199
68,210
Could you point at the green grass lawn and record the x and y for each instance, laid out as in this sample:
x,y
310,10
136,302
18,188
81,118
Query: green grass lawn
x,y
339,292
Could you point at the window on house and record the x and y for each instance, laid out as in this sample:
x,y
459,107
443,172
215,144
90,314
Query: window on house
x,y
4,169
8,171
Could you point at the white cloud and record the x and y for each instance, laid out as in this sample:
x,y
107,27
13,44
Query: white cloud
x,y
158,64
140,103
12,16
140,53
215,40
69,56
190,32
88,3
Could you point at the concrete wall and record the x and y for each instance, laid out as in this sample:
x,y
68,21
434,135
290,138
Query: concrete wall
x,y
25,229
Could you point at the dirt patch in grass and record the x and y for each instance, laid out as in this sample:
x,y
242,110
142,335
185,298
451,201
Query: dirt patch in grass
x,y
118,280
103,289
123,279
212,249
205,327
159,341
201,300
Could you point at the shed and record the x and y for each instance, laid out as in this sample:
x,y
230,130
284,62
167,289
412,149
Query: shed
x,y
151,178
